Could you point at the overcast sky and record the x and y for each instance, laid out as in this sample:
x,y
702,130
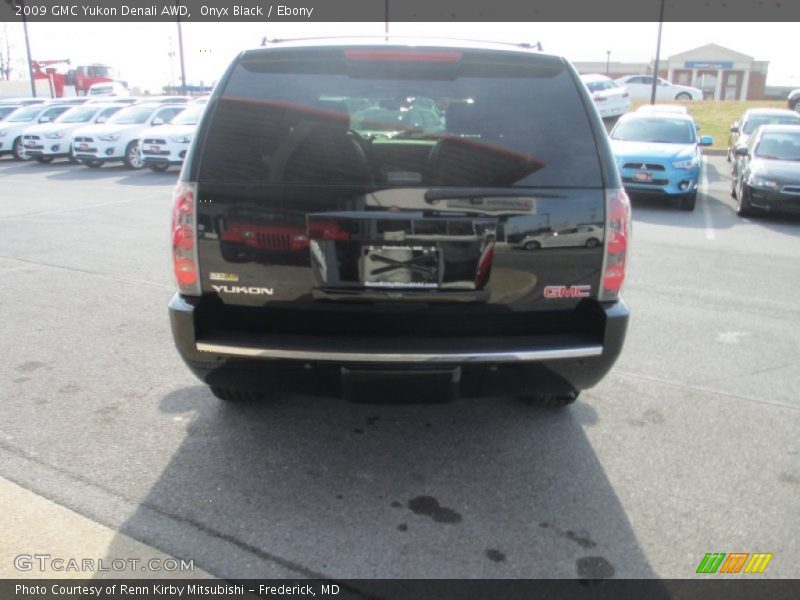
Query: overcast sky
x,y
140,51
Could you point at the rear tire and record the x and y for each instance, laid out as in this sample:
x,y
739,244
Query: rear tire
x,y
688,202
44,159
532,245
683,96
71,157
592,243
550,401
235,395
796,105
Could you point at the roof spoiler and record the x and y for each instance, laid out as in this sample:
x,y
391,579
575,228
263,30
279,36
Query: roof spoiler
x,y
265,41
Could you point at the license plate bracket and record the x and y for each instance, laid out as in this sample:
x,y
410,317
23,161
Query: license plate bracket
x,y
395,266
400,386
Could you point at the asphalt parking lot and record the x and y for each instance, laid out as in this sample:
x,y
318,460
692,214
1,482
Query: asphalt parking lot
x,y
689,446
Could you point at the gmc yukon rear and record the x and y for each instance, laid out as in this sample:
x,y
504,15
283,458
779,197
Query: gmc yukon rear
x,y
350,215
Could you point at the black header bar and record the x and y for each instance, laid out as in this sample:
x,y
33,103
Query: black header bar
x,y
227,11
702,587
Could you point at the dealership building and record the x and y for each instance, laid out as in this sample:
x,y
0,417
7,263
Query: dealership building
x,y
722,73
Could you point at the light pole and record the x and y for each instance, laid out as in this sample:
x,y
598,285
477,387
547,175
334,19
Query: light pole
x,y
658,56
171,55
608,60
21,3
180,49
386,22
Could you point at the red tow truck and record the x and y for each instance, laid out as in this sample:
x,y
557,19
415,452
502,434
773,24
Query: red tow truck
x,y
81,77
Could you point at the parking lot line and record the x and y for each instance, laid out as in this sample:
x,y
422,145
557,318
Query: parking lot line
x,y
703,185
39,213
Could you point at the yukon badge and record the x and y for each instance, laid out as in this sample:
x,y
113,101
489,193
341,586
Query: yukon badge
x,y
551,292
240,289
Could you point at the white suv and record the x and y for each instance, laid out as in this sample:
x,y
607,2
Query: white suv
x,y
118,138
47,141
167,145
12,128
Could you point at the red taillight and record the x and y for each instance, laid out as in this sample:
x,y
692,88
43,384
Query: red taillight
x,y
185,271
402,56
183,237
618,231
184,250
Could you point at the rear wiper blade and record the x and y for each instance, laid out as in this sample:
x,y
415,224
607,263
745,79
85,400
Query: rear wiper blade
x,y
412,132
437,194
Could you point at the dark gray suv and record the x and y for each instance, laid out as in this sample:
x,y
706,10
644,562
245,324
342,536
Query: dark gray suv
x,y
347,220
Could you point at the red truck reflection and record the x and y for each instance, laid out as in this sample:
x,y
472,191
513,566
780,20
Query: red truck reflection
x,y
261,230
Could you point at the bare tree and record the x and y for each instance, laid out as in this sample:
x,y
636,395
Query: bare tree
x,y
5,55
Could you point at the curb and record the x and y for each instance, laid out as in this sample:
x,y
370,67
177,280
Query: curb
x,y
32,526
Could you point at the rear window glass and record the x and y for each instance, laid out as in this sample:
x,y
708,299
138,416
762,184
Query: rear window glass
x,y
443,118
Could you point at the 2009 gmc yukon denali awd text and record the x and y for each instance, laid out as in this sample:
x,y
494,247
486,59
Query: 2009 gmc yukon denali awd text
x,y
353,214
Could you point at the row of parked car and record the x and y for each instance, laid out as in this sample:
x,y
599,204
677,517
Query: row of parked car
x,y
764,149
658,148
612,97
152,132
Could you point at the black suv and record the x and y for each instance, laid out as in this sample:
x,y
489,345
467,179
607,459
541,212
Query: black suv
x,y
345,220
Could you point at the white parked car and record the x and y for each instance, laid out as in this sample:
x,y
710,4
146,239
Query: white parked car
x,y
47,141
640,86
167,145
14,125
610,99
108,88
588,236
118,138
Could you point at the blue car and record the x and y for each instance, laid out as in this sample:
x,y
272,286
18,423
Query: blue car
x,y
659,154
